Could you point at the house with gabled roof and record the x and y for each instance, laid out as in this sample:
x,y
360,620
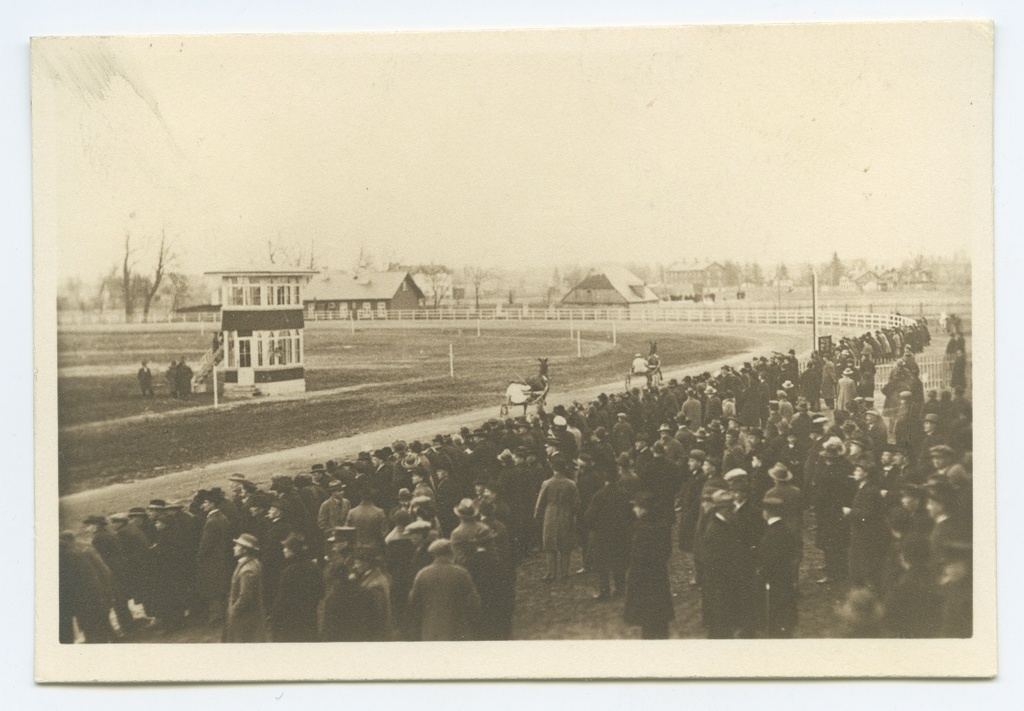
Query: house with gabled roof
x,y
339,294
610,286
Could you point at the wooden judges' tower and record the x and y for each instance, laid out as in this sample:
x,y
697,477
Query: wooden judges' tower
x,y
261,349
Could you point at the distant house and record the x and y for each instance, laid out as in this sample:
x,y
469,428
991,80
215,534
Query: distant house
x,y
921,279
867,280
340,293
610,286
695,278
889,279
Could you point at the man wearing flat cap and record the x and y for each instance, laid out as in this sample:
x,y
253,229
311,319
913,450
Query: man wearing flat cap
x,y
370,521
334,510
246,612
778,564
443,602
724,577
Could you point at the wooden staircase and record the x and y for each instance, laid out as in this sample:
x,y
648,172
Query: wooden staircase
x,y
202,374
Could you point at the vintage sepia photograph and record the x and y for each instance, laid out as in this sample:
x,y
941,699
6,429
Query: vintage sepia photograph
x,y
355,343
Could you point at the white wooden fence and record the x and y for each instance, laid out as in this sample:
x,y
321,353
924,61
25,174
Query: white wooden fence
x,y
771,317
760,316
936,371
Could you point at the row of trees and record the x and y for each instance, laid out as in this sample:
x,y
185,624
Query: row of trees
x,y
147,276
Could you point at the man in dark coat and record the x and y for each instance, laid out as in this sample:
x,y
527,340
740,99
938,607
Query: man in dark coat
x,y
145,376
213,558
495,584
173,567
86,593
609,519
778,564
136,550
913,607
869,530
299,589
748,522
443,603
183,379
109,547
833,497
648,595
724,578
623,434
956,591
688,500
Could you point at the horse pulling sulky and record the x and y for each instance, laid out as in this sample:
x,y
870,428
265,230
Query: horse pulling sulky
x,y
648,368
528,391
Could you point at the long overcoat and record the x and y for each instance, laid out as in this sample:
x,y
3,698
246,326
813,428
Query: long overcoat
x,y
246,617
212,562
293,611
648,594
609,519
869,536
557,506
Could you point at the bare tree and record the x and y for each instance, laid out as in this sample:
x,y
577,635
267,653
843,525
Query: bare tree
x,y
440,281
165,257
127,271
477,276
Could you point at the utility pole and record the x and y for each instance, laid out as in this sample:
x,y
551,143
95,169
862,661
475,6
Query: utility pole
x,y
814,311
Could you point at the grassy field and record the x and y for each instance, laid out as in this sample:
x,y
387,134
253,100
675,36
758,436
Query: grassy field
x,y
409,368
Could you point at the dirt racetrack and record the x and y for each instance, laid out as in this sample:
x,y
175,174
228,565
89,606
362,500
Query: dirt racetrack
x,y
259,467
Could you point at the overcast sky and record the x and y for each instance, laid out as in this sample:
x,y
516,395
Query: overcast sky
x,y
778,144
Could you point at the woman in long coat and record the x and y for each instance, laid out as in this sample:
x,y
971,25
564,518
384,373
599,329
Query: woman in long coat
x,y
648,595
557,506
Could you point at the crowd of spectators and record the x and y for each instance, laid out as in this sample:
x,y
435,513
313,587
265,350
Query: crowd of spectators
x,y
741,470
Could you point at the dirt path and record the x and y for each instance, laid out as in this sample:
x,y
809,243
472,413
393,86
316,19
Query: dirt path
x,y
178,485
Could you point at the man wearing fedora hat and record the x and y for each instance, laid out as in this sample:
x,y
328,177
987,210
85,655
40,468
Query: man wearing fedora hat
x,y
833,491
465,535
846,390
869,529
791,497
213,557
246,614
